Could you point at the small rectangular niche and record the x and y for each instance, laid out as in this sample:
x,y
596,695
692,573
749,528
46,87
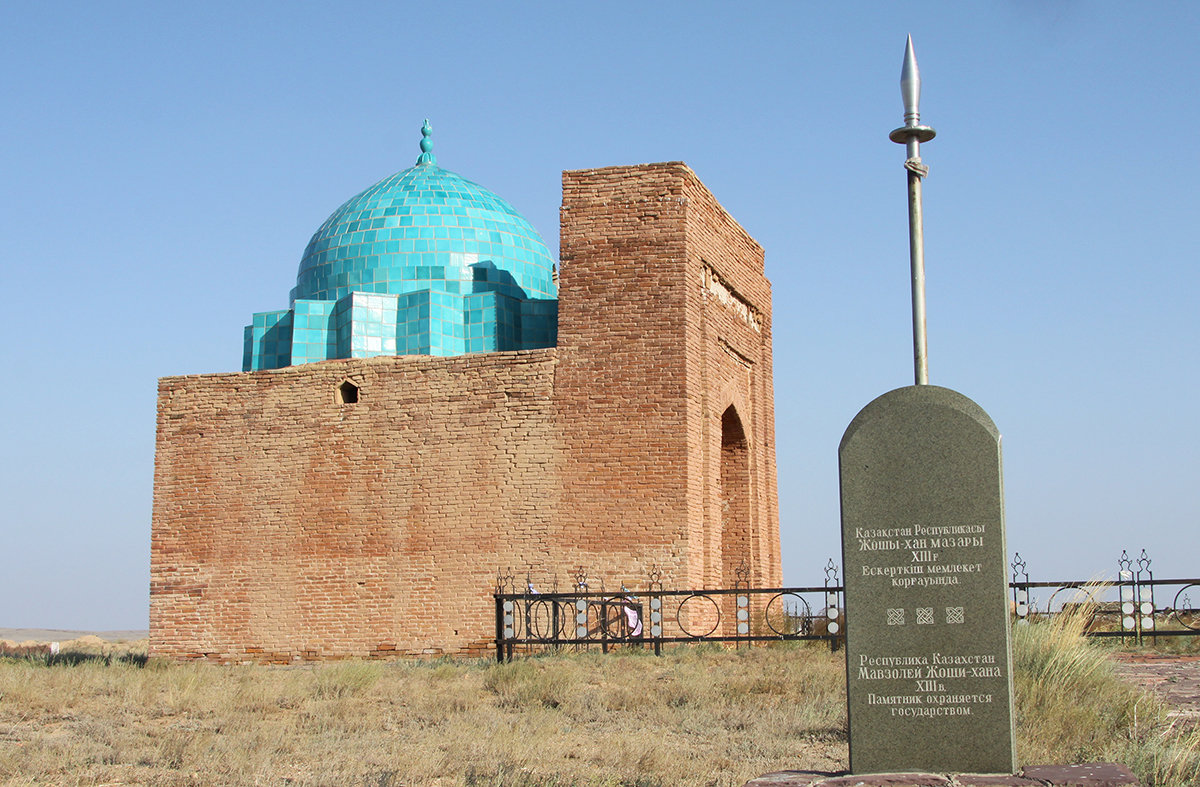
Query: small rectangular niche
x,y
347,393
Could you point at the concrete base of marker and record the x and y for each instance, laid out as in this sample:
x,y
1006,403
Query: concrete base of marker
x,y
1098,774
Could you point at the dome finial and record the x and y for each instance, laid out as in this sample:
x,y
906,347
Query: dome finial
x,y
426,156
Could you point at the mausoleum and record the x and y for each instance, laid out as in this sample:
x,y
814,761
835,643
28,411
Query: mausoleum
x,y
438,404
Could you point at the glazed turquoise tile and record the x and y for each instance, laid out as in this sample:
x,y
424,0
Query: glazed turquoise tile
x,y
424,261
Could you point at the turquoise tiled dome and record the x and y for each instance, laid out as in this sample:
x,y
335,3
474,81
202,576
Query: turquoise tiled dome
x,y
422,263
420,229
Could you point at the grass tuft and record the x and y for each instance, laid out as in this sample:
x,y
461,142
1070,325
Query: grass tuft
x,y
345,679
1072,707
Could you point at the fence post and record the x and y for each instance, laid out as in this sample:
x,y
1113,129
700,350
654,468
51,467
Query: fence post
x,y
499,628
581,606
527,609
1127,584
556,623
654,594
1020,589
1145,597
741,605
833,600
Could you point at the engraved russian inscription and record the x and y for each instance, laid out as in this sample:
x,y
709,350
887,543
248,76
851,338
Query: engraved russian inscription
x,y
928,664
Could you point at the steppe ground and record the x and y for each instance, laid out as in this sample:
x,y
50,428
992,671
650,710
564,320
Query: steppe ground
x,y
99,713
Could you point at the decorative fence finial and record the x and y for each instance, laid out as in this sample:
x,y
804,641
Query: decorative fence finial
x,y
655,575
742,572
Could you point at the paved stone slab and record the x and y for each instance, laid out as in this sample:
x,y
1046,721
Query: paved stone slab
x,y
989,780
1101,774
889,780
789,779
929,679
1097,774
1174,678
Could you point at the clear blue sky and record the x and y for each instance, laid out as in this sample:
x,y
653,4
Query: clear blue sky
x,y
162,166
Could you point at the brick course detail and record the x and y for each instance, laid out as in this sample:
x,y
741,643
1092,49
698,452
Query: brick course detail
x,y
289,525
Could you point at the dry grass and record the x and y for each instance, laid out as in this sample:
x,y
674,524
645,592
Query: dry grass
x,y
1165,645
1072,707
698,716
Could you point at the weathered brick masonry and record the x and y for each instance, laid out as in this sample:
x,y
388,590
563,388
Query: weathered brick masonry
x,y
289,525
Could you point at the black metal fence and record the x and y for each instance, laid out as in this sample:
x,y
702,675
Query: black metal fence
x,y
1135,606
529,621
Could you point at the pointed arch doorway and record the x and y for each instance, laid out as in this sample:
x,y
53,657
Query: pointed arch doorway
x,y
734,497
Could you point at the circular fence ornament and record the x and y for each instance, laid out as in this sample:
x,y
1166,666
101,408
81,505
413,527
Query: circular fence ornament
x,y
542,620
1184,612
1083,600
787,614
691,619
621,619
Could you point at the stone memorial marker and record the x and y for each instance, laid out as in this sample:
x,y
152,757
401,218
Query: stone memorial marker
x,y
929,678
928,654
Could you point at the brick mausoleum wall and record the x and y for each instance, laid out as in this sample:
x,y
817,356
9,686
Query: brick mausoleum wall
x,y
290,526
650,360
622,373
730,363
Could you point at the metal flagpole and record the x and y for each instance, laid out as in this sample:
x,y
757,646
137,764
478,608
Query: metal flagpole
x,y
911,135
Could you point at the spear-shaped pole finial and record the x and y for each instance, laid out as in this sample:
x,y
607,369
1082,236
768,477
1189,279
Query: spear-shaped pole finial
x,y
910,86
911,135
